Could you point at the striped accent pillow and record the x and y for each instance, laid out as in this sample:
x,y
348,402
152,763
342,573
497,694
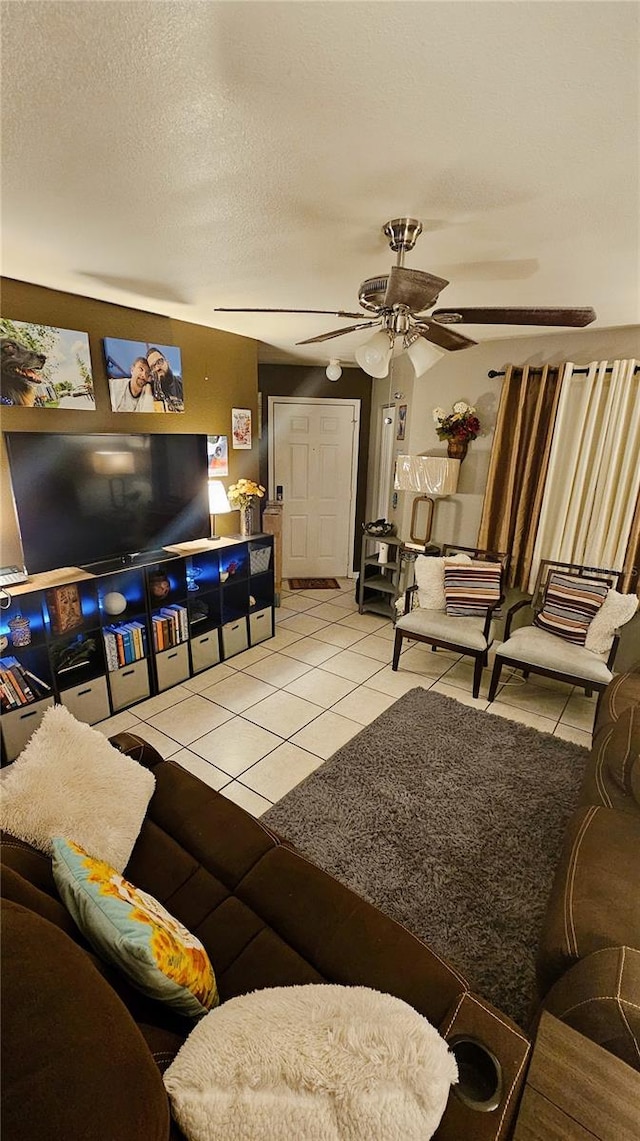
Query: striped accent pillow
x,y
469,588
570,604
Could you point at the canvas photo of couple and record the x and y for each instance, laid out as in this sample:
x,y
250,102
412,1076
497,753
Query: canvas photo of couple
x,y
144,377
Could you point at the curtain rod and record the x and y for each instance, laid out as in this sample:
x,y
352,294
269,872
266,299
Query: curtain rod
x,y
540,368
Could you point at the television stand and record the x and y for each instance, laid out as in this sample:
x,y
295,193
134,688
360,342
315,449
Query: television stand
x,y
121,562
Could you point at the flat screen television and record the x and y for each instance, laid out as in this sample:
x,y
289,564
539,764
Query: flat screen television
x,y
102,499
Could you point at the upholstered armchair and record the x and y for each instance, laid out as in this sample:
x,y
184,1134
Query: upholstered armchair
x,y
572,632
457,596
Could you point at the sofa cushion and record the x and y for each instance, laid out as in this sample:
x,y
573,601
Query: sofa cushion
x,y
69,781
612,777
429,576
535,647
594,898
570,605
599,997
134,932
315,1062
623,691
74,1064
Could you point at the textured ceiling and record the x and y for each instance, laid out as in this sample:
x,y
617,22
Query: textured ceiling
x,y
182,156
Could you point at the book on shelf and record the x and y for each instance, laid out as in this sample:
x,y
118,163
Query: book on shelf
x,y
15,688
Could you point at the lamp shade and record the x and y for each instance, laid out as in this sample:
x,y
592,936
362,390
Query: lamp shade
x,y
422,355
374,356
427,475
218,502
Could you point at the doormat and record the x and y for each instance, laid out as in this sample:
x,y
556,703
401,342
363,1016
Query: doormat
x,y
314,584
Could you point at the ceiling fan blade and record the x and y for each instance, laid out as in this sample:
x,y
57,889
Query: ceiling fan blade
x,y
442,336
330,312
413,288
577,318
337,333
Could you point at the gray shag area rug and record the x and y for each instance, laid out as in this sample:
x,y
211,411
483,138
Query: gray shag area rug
x,y
450,820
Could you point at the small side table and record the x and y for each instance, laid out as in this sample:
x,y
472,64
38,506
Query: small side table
x,y
576,1091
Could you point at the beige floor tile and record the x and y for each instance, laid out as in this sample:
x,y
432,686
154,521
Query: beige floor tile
x,y
336,635
278,670
202,769
379,649
326,734
352,666
297,603
283,713
464,697
252,655
246,798
302,624
523,716
321,687
398,683
363,705
388,632
237,693
461,674
281,771
190,719
535,698
320,595
327,611
119,723
284,638
368,623
209,677
164,700
311,651
165,745
568,733
425,664
347,602
236,745
579,711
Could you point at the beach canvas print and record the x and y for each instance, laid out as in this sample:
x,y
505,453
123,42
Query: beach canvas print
x,y
45,367
143,376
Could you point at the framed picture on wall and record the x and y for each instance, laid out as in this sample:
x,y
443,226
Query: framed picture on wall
x,y
241,427
143,376
402,422
45,367
218,456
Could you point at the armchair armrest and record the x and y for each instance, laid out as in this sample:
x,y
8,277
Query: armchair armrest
x,y
137,748
512,611
407,597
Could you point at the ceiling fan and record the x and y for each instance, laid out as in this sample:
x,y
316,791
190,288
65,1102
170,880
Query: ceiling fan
x,y
401,301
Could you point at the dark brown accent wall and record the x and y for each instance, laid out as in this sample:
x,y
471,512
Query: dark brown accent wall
x,y
305,380
219,372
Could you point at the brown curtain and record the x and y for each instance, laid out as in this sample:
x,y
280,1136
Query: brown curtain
x,y
631,579
518,466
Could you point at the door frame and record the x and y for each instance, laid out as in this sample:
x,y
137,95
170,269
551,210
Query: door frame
x,y
354,404
384,459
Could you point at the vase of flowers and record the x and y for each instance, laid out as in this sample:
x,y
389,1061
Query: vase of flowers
x,y
242,495
457,427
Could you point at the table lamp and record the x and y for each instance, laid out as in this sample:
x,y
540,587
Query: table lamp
x,y
434,477
218,504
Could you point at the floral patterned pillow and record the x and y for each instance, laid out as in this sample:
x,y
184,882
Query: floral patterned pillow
x,y
134,932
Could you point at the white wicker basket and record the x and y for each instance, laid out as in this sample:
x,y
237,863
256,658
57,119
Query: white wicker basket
x,y
260,559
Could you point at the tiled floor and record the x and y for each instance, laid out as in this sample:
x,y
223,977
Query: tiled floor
x,y
257,724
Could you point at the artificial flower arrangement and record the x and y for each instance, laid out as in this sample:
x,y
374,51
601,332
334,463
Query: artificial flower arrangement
x,y
243,493
459,424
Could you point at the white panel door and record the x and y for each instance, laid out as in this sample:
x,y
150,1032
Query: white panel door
x,y
313,461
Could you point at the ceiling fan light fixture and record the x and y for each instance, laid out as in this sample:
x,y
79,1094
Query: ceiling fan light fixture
x,y
333,370
422,355
375,355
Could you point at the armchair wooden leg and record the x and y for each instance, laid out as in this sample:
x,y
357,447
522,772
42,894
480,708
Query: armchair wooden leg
x,y
495,678
397,646
477,675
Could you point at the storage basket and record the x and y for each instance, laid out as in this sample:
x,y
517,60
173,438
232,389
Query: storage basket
x,y
260,559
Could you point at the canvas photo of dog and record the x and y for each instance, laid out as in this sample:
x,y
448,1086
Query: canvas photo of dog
x,y
44,367
18,378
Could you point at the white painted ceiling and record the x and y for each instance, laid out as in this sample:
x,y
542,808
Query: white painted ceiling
x,y
176,157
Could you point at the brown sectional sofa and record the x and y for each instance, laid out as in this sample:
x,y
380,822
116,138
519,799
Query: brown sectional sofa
x,y
589,955
80,1044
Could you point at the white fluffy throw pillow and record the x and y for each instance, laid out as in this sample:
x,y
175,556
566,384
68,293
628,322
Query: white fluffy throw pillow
x,y
69,781
323,1063
429,574
616,610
